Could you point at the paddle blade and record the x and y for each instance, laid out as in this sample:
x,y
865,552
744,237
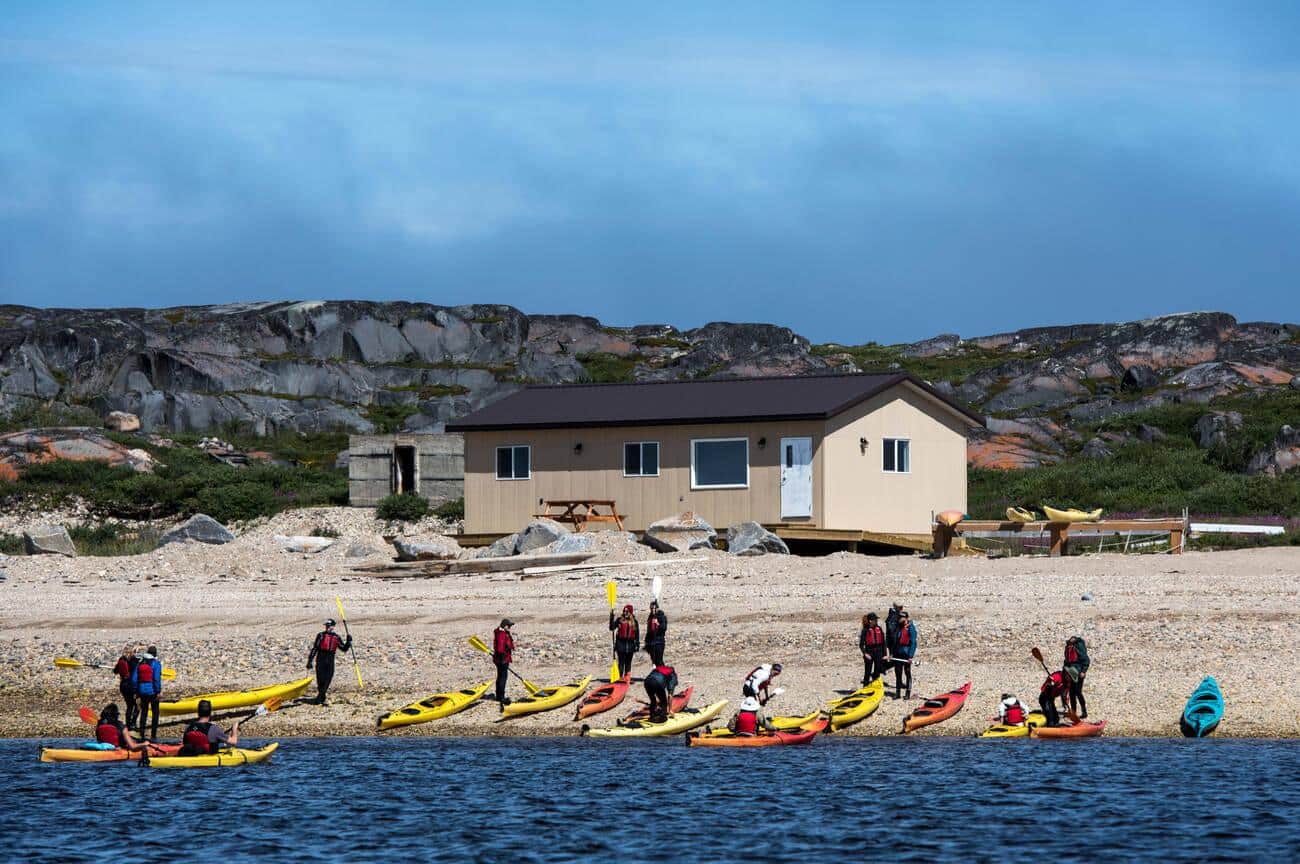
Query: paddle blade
x,y
270,705
1038,655
530,686
613,670
88,715
67,663
611,593
656,586
169,674
478,644
342,617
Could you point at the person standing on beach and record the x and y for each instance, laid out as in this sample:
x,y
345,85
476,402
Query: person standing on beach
x,y
146,681
323,649
1055,687
627,638
902,652
1076,657
871,642
124,669
656,632
503,648
659,687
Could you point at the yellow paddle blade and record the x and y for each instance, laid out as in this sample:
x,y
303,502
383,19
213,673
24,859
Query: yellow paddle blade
x,y
613,670
611,593
67,663
169,674
339,602
478,644
530,686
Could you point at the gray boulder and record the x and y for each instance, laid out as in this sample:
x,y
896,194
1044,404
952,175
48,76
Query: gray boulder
x,y
1212,429
122,421
750,538
571,544
680,533
308,545
502,548
49,540
200,528
1139,377
1150,434
539,533
360,550
1281,456
1096,449
433,549
1295,383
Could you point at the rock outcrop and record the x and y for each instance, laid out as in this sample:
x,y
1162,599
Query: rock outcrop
x,y
1282,455
81,444
539,533
1212,429
199,528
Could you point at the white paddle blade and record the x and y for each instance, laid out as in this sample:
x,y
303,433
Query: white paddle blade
x,y
656,586
778,691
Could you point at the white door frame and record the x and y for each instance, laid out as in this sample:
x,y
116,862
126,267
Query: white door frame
x,y
796,502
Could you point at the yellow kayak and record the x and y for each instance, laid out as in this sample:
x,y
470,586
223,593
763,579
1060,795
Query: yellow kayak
x,y
999,730
225,759
683,721
1019,514
857,706
236,698
1054,515
793,724
436,706
546,699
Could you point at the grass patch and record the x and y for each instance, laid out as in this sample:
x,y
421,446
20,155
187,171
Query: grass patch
x,y
953,367
326,531
409,507
451,510
108,539
38,416
662,342
390,418
600,367
487,319
11,544
431,391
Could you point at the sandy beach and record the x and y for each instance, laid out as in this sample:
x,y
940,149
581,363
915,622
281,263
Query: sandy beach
x,y
244,614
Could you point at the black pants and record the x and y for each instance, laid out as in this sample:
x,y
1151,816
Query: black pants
x,y
660,698
503,675
656,652
148,703
903,671
1048,705
324,674
132,709
873,665
624,654
1077,703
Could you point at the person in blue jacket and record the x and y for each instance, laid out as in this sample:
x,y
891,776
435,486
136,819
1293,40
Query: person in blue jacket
x,y
903,650
146,680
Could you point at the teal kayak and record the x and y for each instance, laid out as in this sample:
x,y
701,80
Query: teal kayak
x,y
1204,710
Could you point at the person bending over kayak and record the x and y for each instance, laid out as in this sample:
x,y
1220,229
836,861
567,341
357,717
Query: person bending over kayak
x,y
1076,657
871,642
757,682
503,652
659,687
323,649
1055,687
656,629
111,730
202,736
627,638
124,669
749,719
1011,711
147,683
903,651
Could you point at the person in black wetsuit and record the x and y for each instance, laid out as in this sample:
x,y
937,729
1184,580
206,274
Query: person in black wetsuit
x,y
627,638
124,669
503,653
656,632
323,649
659,687
871,642
1076,657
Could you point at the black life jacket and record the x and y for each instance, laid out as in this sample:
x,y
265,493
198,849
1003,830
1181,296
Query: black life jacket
x,y
109,733
195,741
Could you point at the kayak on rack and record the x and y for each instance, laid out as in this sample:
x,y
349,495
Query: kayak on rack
x,y
857,706
1019,730
726,738
679,703
1071,515
97,754
225,759
1204,710
937,709
1019,514
682,721
1069,730
545,699
227,700
600,699
434,707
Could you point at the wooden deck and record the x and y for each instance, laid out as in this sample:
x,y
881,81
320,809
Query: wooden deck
x,y
850,538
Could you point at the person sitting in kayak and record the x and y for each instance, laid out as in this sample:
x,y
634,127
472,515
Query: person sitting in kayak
x,y
659,687
124,669
503,647
656,631
1076,657
322,652
202,736
749,719
757,682
627,638
147,683
871,642
1055,687
902,651
1011,711
111,730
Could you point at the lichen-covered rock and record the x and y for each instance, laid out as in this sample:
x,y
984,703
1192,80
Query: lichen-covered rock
x,y
49,540
199,528
122,421
680,533
539,533
1096,449
750,538
1281,456
307,545
1212,429
1139,376
73,443
432,549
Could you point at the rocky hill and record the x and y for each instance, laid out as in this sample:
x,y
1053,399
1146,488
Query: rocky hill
x,y
361,366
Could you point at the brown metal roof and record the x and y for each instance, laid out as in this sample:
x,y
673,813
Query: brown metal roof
x,y
727,400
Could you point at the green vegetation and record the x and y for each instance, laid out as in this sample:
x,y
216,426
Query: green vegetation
x,y
953,367
325,531
11,544
451,510
106,539
408,507
662,342
431,391
173,317
34,415
603,368
390,418
487,319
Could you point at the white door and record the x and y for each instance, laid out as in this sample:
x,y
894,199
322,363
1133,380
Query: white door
x,y
796,477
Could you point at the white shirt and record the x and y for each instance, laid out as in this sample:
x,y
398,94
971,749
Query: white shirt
x,y
759,677
1010,703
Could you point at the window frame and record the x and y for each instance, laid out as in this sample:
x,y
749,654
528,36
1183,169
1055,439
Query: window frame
x,y
695,485
641,446
496,468
885,447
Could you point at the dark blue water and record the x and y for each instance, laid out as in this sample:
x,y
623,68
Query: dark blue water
x,y
361,800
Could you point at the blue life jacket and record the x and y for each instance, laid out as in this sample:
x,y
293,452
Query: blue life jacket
x,y
147,678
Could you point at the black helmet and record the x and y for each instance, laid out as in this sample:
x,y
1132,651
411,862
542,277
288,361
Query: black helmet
x,y
776,668
330,622
109,712
506,622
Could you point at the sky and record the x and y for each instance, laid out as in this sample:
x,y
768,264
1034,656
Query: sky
x,y
856,171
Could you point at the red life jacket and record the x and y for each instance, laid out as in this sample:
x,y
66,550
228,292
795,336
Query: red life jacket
x,y
328,642
875,637
747,723
627,629
144,673
122,669
108,733
1056,684
1015,715
652,626
195,740
1071,655
665,670
503,646
905,635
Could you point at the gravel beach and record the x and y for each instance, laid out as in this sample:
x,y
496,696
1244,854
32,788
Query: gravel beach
x,y
243,615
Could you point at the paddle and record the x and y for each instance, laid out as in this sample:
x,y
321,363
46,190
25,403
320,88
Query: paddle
x,y
69,663
611,594
656,587
479,645
1038,655
356,667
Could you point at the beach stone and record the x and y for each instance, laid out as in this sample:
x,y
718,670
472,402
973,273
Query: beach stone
x,y
360,550
1139,377
1096,449
571,544
750,538
539,533
680,533
503,547
1087,598
434,549
122,421
1150,434
199,527
49,540
1212,429
310,545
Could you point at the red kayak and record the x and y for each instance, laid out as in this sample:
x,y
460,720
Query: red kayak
x,y
602,698
680,701
1070,730
724,737
938,709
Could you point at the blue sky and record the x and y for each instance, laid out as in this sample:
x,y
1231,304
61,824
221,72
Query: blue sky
x,y
856,171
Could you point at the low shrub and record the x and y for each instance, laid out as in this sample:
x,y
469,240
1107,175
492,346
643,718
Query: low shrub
x,y
325,531
408,507
110,539
451,510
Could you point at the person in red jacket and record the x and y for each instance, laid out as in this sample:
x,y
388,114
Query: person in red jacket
x,y
503,648
111,730
124,669
627,638
323,648
1057,686
871,642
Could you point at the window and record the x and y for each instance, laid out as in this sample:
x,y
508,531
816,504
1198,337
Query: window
x,y
898,459
641,459
720,463
514,462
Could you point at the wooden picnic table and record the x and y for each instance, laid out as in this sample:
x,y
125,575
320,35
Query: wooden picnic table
x,y
579,511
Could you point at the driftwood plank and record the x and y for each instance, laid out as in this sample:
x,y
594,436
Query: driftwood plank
x,y
418,569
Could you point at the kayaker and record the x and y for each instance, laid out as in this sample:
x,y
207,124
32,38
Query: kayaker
x,y
627,638
659,687
323,649
1011,711
749,719
757,682
111,730
1076,657
656,630
202,736
146,681
902,652
503,647
124,669
871,642
1055,687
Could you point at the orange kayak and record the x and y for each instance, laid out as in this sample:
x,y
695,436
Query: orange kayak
x,y
1073,730
86,754
724,737
602,698
680,701
938,709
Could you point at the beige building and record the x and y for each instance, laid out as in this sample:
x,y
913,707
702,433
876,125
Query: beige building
x,y
875,453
